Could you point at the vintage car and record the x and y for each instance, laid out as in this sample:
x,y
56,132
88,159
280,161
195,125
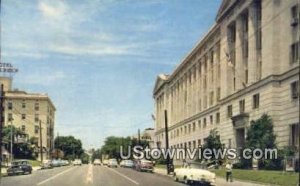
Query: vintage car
x,y
194,173
105,162
97,162
112,163
77,162
143,165
46,164
19,167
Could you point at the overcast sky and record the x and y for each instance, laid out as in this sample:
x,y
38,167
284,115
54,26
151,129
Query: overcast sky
x,y
98,59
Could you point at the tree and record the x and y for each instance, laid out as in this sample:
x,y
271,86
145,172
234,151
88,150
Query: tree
x,y
213,142
112,146
20,149
97,154
71,147
260,135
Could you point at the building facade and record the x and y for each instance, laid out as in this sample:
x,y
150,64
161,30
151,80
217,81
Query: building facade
x,y
246,65
27,111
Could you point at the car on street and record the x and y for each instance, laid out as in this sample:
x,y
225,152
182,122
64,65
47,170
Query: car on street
x,y
105,162
97,162
112,163
191,173
19,167
143,165
46,164
56,163
126,163
64,162
77,162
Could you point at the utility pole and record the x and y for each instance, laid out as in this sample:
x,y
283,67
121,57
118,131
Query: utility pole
x,y
41,141
1,119
139,137
11,141
167,142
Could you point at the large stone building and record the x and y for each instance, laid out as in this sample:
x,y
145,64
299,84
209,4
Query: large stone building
x,y
246,65
26,111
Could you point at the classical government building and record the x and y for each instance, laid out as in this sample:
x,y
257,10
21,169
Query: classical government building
x,y
246,65
25,111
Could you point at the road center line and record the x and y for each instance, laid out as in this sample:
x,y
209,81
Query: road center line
x,y
51,178
123,176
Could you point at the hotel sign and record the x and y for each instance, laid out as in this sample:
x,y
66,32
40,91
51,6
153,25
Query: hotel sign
x,y
7,67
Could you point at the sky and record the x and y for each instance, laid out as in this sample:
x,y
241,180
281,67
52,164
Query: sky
x,y
98,59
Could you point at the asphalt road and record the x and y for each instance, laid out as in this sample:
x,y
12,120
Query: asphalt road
x,y
88,175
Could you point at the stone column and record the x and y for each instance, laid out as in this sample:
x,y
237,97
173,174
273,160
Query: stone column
x,y
252,59
239,72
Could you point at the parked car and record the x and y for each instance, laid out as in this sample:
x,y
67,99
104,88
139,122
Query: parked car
x,y
19,167
55,163
77,162
112,163
128,164
46,164
143,165
64,162
194,173
105,162
97,162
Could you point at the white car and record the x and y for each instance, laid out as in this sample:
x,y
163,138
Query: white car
x,y
112,163
194,173
77,162
97,162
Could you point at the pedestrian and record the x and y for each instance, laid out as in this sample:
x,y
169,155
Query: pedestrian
x,y
228,171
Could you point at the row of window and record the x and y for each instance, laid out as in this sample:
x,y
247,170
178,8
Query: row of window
x,y
187,129
255,105
36,106
189,145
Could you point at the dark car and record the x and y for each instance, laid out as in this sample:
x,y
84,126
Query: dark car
x,y
143,165
19,167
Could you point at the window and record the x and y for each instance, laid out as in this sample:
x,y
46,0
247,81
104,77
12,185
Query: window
x,y
229,143
294,135
242,106
199,142
204,123
10,117
194,144
218,118
190,145
211,119
23,105
36,129
294,16
295,90
189,128
23,116
211,98
23,128
255,101
229,111
36,106
218,93
295,52
10,106
185,129
36,117
199,124
194,127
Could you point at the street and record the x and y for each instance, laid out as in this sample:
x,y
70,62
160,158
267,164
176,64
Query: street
x,y
88,175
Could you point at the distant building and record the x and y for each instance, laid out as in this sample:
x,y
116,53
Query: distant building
x,y
147,135
246,65
25,111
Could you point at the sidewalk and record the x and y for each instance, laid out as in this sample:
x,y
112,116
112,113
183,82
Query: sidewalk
x,y
219,180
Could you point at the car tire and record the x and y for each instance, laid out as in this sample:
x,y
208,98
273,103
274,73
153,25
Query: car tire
x,y
175,177
185,180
